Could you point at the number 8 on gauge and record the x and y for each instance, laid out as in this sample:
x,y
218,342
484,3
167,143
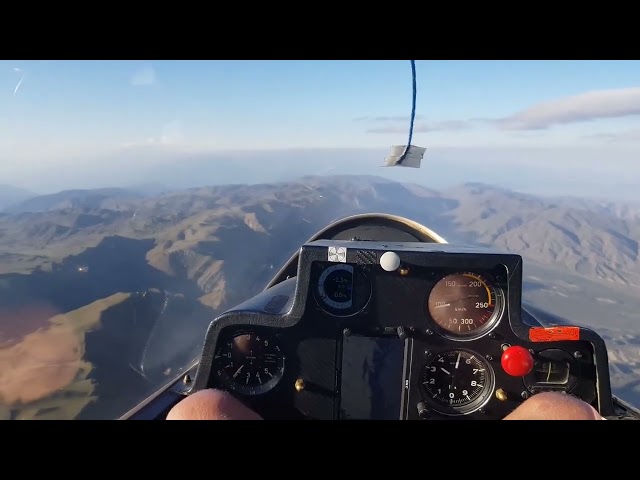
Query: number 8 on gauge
x,y
457,382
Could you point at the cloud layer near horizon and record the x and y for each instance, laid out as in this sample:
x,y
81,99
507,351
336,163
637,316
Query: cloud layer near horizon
x,y
585,107
572,171
423,127
596,105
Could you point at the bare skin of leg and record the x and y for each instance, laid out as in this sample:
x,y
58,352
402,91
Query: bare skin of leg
x,y
554,406
217,405
211,405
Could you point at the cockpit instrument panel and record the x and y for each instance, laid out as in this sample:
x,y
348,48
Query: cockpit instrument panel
x,y
397,331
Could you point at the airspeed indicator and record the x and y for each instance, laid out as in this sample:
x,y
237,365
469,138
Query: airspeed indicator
x,y
465,305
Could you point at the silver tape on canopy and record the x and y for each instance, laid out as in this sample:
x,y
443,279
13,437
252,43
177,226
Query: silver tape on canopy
x,y
412,158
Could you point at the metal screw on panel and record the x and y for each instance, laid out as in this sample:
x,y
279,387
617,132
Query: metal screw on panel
x,y
505,346
186,379
524,395
489,357
346,332
428,331
577,354
427,353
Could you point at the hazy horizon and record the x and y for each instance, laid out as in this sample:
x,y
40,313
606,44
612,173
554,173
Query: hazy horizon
x,y
539,171
544,127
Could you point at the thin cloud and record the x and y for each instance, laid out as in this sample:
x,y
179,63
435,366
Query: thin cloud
x,y
596,105
454,125
148,142
144,76
628,136
172,135
589,106
397,118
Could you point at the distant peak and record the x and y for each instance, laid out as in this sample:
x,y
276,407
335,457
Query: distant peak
x,y
482,186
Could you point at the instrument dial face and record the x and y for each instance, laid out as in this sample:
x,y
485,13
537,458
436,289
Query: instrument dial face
x,y
554,369
335,287
457,382
465,305
249,363
342,290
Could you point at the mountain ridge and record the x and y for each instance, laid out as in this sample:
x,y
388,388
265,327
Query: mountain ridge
x,y
184,256
598,243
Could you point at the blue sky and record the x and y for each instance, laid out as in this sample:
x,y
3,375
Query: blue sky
x,y
84,113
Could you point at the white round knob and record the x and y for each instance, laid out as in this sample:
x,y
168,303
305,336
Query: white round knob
x,y
390,261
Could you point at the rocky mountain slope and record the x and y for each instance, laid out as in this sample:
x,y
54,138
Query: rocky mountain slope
x,y
194,252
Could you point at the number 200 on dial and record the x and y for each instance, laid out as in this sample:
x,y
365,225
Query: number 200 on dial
x,y
465,304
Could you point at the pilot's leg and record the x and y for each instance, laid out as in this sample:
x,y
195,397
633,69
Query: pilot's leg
x,y
211,405
217,405
554,406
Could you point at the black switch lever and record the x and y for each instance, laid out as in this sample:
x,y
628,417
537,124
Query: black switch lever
x,y
402,333
423,411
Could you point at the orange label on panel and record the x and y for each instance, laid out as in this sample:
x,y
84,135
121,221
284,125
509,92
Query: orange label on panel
x,y
554,334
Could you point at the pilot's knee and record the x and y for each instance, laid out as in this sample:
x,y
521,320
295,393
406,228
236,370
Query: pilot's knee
x,y
554,406
211,405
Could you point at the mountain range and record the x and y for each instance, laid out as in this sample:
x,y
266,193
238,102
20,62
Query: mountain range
x,y
166,263
10,195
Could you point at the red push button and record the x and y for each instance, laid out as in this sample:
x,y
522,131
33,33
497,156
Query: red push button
x,y
517,361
